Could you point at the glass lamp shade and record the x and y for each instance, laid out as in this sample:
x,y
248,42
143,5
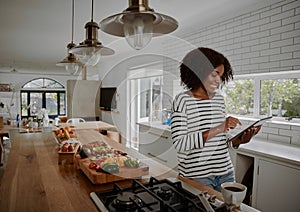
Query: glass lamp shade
x,y
71,63
90,50
88,55
72,68
138,29
138,24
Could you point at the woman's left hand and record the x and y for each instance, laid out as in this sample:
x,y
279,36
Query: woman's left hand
x,y
246,137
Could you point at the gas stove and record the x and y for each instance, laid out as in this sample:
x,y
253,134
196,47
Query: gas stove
x,y
155,195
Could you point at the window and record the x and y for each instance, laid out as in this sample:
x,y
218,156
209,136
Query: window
x,y
276,94
43,93
280,97
240,97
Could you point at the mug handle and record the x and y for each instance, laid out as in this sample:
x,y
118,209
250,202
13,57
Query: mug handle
x,y
233,199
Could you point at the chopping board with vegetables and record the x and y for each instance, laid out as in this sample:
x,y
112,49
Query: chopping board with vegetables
x,y
102,163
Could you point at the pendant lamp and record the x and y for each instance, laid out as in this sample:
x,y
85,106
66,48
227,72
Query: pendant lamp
x,y
138,24
71,62
90,50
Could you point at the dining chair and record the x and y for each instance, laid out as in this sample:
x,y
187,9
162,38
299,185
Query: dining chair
x,y
74,121
51,122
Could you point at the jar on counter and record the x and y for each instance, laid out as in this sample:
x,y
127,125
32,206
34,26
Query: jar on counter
x,y
166,116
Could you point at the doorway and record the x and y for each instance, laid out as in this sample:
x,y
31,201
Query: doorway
x,y
144,102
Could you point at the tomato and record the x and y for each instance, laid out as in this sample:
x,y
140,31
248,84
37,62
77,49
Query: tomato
x,y
92,165
98,168
70,148
118,152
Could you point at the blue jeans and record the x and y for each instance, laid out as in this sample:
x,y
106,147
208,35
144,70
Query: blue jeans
x,y
216,181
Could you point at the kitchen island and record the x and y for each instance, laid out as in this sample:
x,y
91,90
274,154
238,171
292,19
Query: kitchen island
x,y
33,180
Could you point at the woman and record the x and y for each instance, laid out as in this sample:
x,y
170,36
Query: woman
x,y
199,122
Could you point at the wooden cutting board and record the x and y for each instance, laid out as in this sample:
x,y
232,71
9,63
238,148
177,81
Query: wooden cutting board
x,y
101,177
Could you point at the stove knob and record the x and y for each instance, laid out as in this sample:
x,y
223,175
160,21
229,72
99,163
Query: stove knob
x,y
205,193
212,198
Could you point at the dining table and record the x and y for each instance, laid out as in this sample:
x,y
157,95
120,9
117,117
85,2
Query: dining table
x,y
34,181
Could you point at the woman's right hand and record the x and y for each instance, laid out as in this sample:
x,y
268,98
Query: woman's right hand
x,y
231,123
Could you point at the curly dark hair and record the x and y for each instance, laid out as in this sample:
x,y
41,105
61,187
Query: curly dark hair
x,y
199,63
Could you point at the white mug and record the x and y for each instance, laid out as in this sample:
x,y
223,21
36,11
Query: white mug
x,y
233,193
57,122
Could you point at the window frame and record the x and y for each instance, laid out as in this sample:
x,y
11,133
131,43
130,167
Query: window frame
x,y
43,89
43,102
257,78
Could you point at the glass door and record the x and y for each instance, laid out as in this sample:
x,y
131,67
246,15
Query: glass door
x,y
35,102
145,104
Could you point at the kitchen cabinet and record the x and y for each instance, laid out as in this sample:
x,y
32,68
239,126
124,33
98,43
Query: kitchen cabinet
x,y
156,143
271,172
278,187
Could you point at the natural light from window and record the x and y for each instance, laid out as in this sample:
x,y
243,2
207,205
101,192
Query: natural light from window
x,y
257,95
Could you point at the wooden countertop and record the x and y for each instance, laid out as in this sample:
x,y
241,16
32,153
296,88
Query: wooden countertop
x,y
91,125
4,131
33,180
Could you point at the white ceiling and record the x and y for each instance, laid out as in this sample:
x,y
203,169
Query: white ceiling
x,y
34,33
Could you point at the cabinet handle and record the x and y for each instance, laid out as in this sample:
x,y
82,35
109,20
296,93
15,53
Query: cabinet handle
x,y
162,136
152,155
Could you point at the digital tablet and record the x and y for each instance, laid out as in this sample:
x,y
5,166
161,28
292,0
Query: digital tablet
x,y
240,132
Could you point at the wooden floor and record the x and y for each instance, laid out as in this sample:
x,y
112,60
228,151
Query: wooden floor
x,y
7,146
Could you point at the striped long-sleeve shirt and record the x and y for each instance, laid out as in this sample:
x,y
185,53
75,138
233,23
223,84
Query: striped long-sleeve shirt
x,y
190,117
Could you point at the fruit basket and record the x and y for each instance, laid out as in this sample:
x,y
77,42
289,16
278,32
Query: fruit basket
x,y
63,134
68,145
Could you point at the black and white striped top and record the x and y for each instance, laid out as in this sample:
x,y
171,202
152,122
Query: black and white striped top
x,y
190,117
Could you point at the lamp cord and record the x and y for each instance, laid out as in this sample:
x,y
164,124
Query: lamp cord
x,y
92,10
72,19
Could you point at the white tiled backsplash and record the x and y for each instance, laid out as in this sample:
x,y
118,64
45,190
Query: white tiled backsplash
x,y
265,39
287,133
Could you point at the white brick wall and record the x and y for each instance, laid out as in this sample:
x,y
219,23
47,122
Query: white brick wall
x,y
262,40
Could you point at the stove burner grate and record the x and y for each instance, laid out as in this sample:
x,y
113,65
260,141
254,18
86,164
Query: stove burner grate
x,y
165,193
127,201
154,196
